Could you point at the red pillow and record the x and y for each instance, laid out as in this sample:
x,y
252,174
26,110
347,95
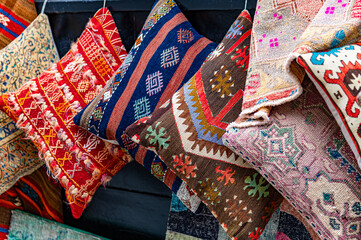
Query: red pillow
x,y
45,106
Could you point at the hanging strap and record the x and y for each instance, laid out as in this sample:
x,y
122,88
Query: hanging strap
x,y
43,8
245,4
104,3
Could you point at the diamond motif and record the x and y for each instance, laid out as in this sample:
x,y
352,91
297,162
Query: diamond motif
x,y
154,83
278,145
185,36
169,57
141,108
328,199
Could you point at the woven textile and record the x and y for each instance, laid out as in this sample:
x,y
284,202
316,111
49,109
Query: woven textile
x,y
36,194
15,16
291,217
336,74
23,59
166,54
26,226
283,30
201,224
44,108
186,133
183,224
303,154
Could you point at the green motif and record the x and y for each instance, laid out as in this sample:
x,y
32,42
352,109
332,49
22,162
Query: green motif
x,y
279,146
309,119
252,183
159,138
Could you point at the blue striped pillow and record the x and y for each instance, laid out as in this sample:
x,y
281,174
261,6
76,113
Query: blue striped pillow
x,y
166,54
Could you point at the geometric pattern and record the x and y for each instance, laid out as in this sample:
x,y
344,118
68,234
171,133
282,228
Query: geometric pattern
x,y
337,76
44,108
318,174
154,83
279,146
15,17
141,108
185,36
156,66
169,57
32,52
186,134
319,26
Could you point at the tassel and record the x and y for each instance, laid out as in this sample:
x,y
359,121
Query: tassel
x,y
105,179
96,172
85,195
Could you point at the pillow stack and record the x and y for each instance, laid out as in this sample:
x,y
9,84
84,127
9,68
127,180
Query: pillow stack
x,y
186,132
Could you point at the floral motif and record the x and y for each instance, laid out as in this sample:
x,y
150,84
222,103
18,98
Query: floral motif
x,y
31,53
257,187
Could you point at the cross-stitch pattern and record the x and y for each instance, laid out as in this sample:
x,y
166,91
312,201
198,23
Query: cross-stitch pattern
x,y
26,57
282,31
303,154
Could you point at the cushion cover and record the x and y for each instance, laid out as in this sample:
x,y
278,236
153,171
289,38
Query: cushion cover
x,y
166,54
186,132
304,156
15,16
337,76
44,108
26,57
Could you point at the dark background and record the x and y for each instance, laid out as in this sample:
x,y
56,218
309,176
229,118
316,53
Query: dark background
x,y
135,205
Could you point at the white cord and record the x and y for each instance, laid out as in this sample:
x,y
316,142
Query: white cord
x,y
43,8
245,4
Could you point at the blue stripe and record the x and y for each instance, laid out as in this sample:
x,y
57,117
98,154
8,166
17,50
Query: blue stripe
x,y
12,18
8,30
4,230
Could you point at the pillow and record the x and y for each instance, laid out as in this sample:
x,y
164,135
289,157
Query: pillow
x,y
166,54
15,16
27,226
291,217
336,75
303,154
186,224
36,194
23,59
45,106
282,31
186,133
167,51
